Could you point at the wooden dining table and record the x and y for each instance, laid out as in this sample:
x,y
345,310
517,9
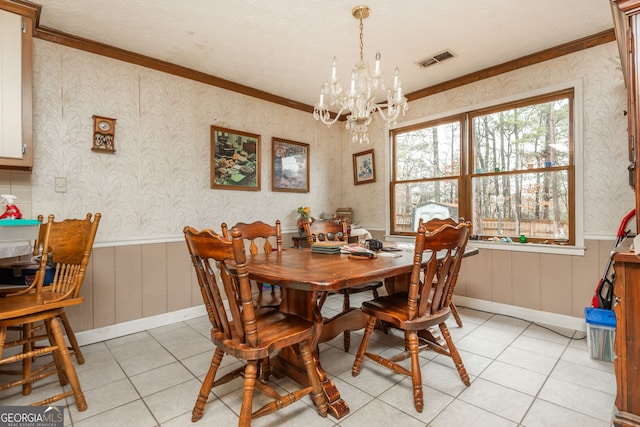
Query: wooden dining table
x,y
303,275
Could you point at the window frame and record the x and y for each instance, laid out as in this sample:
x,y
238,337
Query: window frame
x,y
576,163
394,180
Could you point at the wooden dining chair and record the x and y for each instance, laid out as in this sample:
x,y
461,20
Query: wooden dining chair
x,y
434,224
69,247
47,307
423,306
269,237
245,331
322,230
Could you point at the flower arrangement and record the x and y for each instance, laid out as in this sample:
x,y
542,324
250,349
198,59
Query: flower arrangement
x,y
304,212
304,215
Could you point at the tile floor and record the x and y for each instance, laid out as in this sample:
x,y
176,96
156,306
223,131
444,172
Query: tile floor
x,y
522,374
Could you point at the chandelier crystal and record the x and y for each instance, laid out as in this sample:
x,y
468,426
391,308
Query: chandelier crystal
x,y
360,100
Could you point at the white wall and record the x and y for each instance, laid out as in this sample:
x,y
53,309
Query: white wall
x,y
158,180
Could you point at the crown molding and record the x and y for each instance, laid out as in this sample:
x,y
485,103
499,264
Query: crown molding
x,y
525,61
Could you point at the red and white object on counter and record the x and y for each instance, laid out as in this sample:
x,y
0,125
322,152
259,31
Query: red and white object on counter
x,y
11,211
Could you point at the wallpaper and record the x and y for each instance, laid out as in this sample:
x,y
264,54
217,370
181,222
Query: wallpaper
x,y
157,181
607,194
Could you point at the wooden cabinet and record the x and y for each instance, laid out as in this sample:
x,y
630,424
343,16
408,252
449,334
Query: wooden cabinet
x,y
626,16
627,341
16,137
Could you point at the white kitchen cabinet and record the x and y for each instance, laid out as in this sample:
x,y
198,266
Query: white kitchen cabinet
x,y
16,148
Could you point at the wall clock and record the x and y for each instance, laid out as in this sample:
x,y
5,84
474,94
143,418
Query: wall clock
x,y
104,129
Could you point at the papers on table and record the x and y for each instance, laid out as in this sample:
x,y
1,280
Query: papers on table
x,y
357,250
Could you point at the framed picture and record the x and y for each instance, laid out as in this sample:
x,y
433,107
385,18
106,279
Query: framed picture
x,y
363,167
290,166
235,160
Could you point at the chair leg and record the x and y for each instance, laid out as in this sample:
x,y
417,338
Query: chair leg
x,y
411,338
28,361
456,315
69,370
455,355
346,340
265,369
207,385
357,364
250,375
72,338
346,305
57,358
317,392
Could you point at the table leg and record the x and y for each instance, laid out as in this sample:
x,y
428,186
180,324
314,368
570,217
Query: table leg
x,y
288,361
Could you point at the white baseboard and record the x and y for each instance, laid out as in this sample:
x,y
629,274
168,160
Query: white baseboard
x,y
138,325
537,316
126,328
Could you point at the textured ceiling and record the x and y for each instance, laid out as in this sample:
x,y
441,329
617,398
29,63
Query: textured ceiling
x,y
285,47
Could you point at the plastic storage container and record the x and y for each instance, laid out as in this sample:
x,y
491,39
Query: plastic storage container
x,y
601,332
16,230
23,273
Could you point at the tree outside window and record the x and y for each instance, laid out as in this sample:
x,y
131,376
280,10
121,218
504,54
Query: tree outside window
x,y
508,168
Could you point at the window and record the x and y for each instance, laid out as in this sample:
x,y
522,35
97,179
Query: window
x,y
508,168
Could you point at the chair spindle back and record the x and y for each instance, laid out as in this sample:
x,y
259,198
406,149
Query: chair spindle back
x,y
221,267
444,249
256,231
69,246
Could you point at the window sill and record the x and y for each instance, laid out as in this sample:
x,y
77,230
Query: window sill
x,y
528,247
515,247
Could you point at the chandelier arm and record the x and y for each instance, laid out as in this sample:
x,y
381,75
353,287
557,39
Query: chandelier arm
x,y
392,113
321,114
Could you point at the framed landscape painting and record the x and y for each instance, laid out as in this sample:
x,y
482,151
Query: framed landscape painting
x,y
235,159
363,167
290,166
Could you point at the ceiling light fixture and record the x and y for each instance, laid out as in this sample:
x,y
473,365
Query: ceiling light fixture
x,y
360,99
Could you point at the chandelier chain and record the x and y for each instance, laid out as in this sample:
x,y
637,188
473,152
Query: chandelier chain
x,y
361,40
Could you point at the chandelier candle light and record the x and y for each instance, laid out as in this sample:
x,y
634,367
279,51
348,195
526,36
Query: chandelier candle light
x,y
360,100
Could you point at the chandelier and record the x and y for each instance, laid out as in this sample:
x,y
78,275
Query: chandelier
x,y
360,99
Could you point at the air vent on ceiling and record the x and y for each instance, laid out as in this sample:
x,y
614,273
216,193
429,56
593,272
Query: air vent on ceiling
x,y
424,63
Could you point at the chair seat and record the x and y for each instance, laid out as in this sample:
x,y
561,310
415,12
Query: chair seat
x,y
278,330
22,305
394,310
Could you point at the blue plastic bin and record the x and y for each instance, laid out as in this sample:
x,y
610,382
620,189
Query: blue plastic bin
x,y
601,333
